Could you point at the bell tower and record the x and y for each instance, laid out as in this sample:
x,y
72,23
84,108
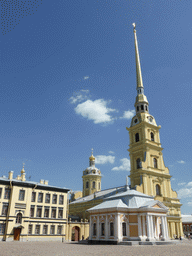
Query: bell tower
x,y
91,178
148,173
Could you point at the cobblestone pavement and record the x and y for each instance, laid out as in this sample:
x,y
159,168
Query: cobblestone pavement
x,y
68,249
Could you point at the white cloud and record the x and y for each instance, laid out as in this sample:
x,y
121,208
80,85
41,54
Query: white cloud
x,y
79,96
102,159
172,179
111,152
189,184
189,203
95,110
86,77
181,162
128,114
181,183
185,192
125,166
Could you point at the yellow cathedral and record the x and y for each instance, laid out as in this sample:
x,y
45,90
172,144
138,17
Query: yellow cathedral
x,y
148,172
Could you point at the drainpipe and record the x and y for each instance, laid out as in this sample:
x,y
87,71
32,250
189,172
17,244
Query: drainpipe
x,y
8,211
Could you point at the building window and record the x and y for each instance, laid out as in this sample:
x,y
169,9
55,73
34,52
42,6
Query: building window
x,y
184,228
4,209
187,227
39,212
158,190
52,230
152,136
33,196
37,229
2,229
124,229
7,193
19,218
191,227
0,192
93,184
146,108
45,229
30,229
136,137
21,195
111,229
94,229
102,229
53,213
138,162
54,201
40,198
142,108
137,108
32,211
155,162
87,184
46,213
59,230
60,213
47,198
61,199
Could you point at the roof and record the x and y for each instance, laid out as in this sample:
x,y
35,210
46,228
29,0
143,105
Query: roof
x,y
32,184
151,203
130,192
100,195
109,204
186,218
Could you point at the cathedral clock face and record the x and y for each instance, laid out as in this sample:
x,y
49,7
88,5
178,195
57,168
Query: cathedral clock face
x,y
150,119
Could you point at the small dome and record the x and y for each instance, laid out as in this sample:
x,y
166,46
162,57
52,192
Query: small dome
x,y
23,171
92,158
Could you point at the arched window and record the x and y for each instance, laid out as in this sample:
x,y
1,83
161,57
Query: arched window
x,y
138,162
87,184
93,184
137,108
136,137
94,229
158,190
146,108
19,218
152,136
102,229
142,108
124,229
155,162
111,229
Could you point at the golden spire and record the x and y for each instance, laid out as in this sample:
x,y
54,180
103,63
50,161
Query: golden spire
x,y
138,65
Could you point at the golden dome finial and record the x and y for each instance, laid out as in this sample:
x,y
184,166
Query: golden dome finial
x,y
23,171
92,158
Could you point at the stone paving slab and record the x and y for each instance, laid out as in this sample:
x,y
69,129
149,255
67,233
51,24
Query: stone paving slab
x,y
75,249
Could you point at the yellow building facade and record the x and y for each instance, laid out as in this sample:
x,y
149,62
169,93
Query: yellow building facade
x,y
32,211
148,172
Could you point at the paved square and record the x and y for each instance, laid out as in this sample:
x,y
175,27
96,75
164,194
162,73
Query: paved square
x,y
75,249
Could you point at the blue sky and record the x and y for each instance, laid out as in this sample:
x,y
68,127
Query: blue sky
x,y
68,84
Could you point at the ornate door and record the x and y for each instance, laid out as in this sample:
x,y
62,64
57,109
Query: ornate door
x,y
17,232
